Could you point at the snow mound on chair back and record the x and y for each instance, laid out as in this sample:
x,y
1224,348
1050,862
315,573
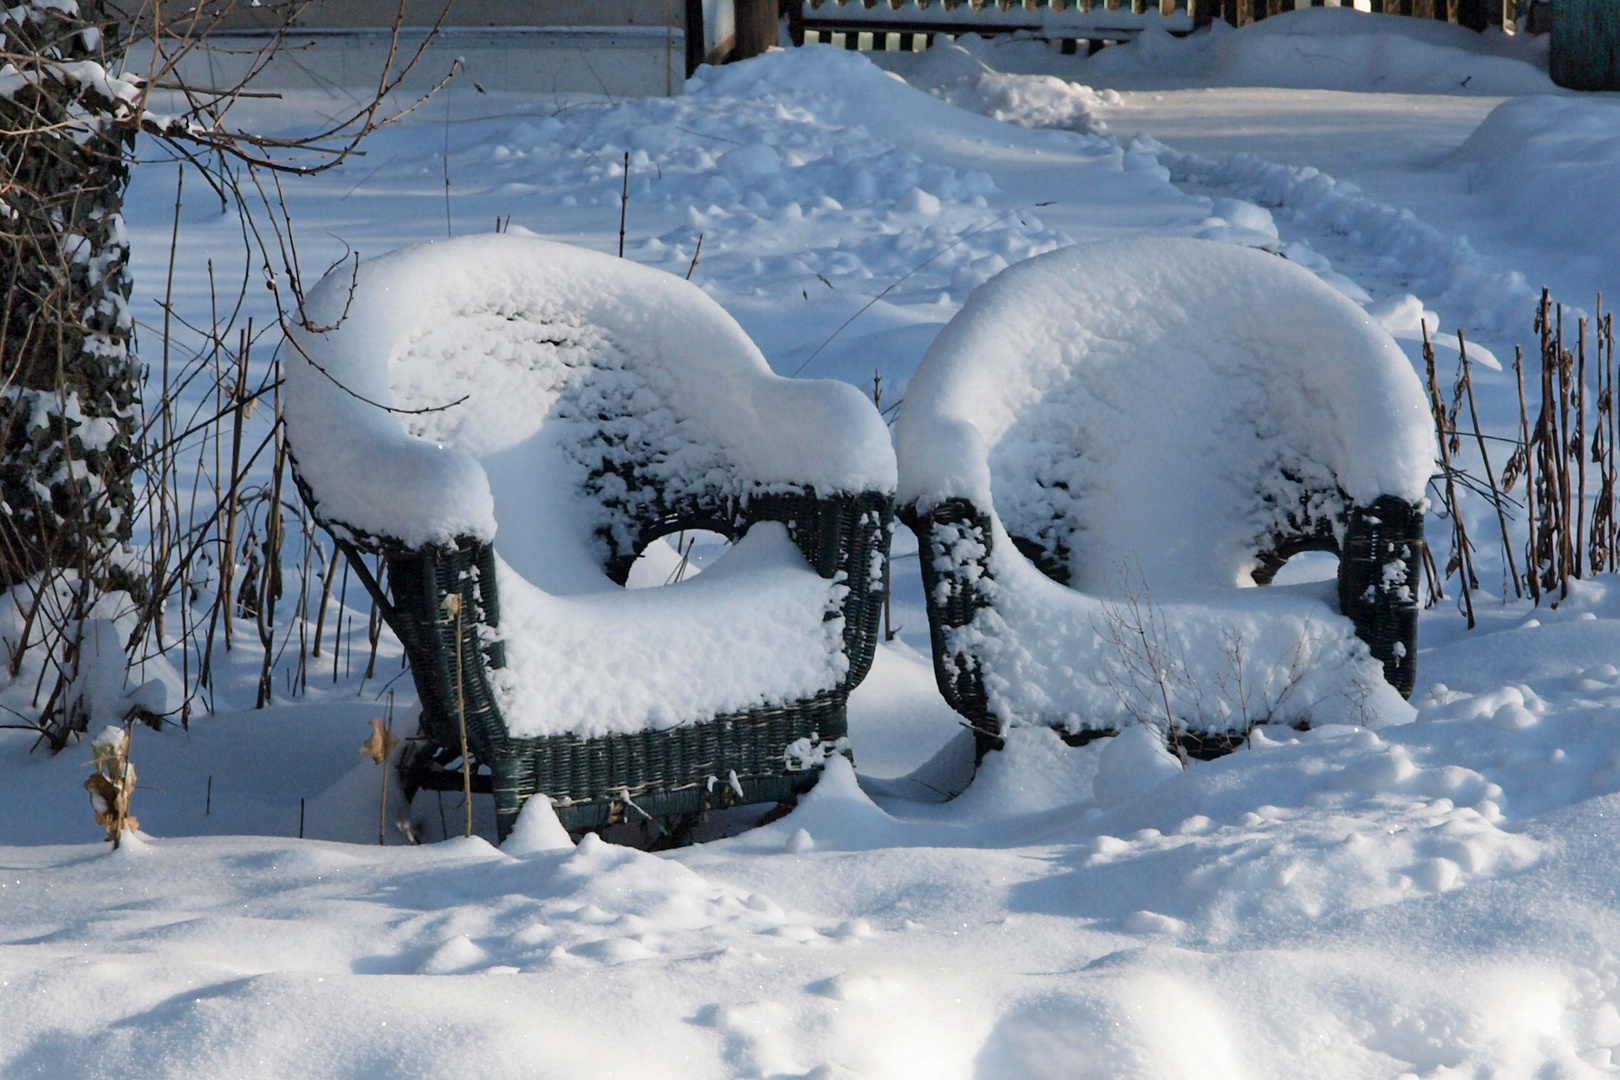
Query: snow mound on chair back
x,y
1146,393
415,365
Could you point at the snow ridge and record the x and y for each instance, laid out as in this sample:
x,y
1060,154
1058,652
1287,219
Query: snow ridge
x,y
1406,248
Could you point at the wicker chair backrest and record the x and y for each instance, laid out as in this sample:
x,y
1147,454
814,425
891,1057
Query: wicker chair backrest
x,y
555,375
1191,406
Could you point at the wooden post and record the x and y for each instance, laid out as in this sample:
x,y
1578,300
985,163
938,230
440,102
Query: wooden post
x,y
1586,44
694,35
756,27
1539,18
1475,14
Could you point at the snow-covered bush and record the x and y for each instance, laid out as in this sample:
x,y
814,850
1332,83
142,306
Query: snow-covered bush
x,y
71,388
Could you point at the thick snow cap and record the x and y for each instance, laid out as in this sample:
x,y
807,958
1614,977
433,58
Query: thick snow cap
x,y
503,325
1145,392
534,361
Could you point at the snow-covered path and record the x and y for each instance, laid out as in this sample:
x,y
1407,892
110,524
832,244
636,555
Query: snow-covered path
x,y
1399,149
1395,147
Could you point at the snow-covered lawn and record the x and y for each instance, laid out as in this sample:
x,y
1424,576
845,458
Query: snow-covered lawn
x,y
1433,899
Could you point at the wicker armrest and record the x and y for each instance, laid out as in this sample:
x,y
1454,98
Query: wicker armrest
x,y
843,533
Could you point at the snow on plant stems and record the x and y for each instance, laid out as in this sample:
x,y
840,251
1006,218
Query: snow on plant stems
x,y
85,469
70,386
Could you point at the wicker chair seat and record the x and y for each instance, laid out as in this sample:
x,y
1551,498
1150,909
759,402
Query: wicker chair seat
x,y
1105,437
508,423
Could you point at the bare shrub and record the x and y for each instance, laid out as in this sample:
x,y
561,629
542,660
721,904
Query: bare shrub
x,y
117,503
1147,667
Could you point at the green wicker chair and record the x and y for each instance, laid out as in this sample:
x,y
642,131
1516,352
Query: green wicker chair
x,y
656,415
1034,427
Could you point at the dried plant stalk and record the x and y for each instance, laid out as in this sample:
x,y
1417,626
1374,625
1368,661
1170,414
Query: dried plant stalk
x,y
1485,456
1445,426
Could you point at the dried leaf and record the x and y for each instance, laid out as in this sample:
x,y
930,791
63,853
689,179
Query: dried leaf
x,y
1513,469
103,798
381,743
110,789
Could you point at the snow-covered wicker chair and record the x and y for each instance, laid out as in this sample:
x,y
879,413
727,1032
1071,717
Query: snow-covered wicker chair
x,y
590,406
1153,423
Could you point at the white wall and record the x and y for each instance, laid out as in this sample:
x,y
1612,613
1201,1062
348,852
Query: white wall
x,y
329,14
622,48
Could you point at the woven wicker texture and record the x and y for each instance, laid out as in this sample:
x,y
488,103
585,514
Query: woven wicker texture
x,y
1383,607
707,763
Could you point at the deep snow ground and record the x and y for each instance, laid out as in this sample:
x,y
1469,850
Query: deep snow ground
x,y
1432,900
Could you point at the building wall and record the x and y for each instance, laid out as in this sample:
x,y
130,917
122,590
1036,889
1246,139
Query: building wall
x,y
335,14
619,48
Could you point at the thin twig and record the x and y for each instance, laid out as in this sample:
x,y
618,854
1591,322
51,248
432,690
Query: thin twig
x,y
690,270
1490,474
624,208
1460,536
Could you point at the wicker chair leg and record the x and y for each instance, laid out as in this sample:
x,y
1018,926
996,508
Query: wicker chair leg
x,y
953,602
508,795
